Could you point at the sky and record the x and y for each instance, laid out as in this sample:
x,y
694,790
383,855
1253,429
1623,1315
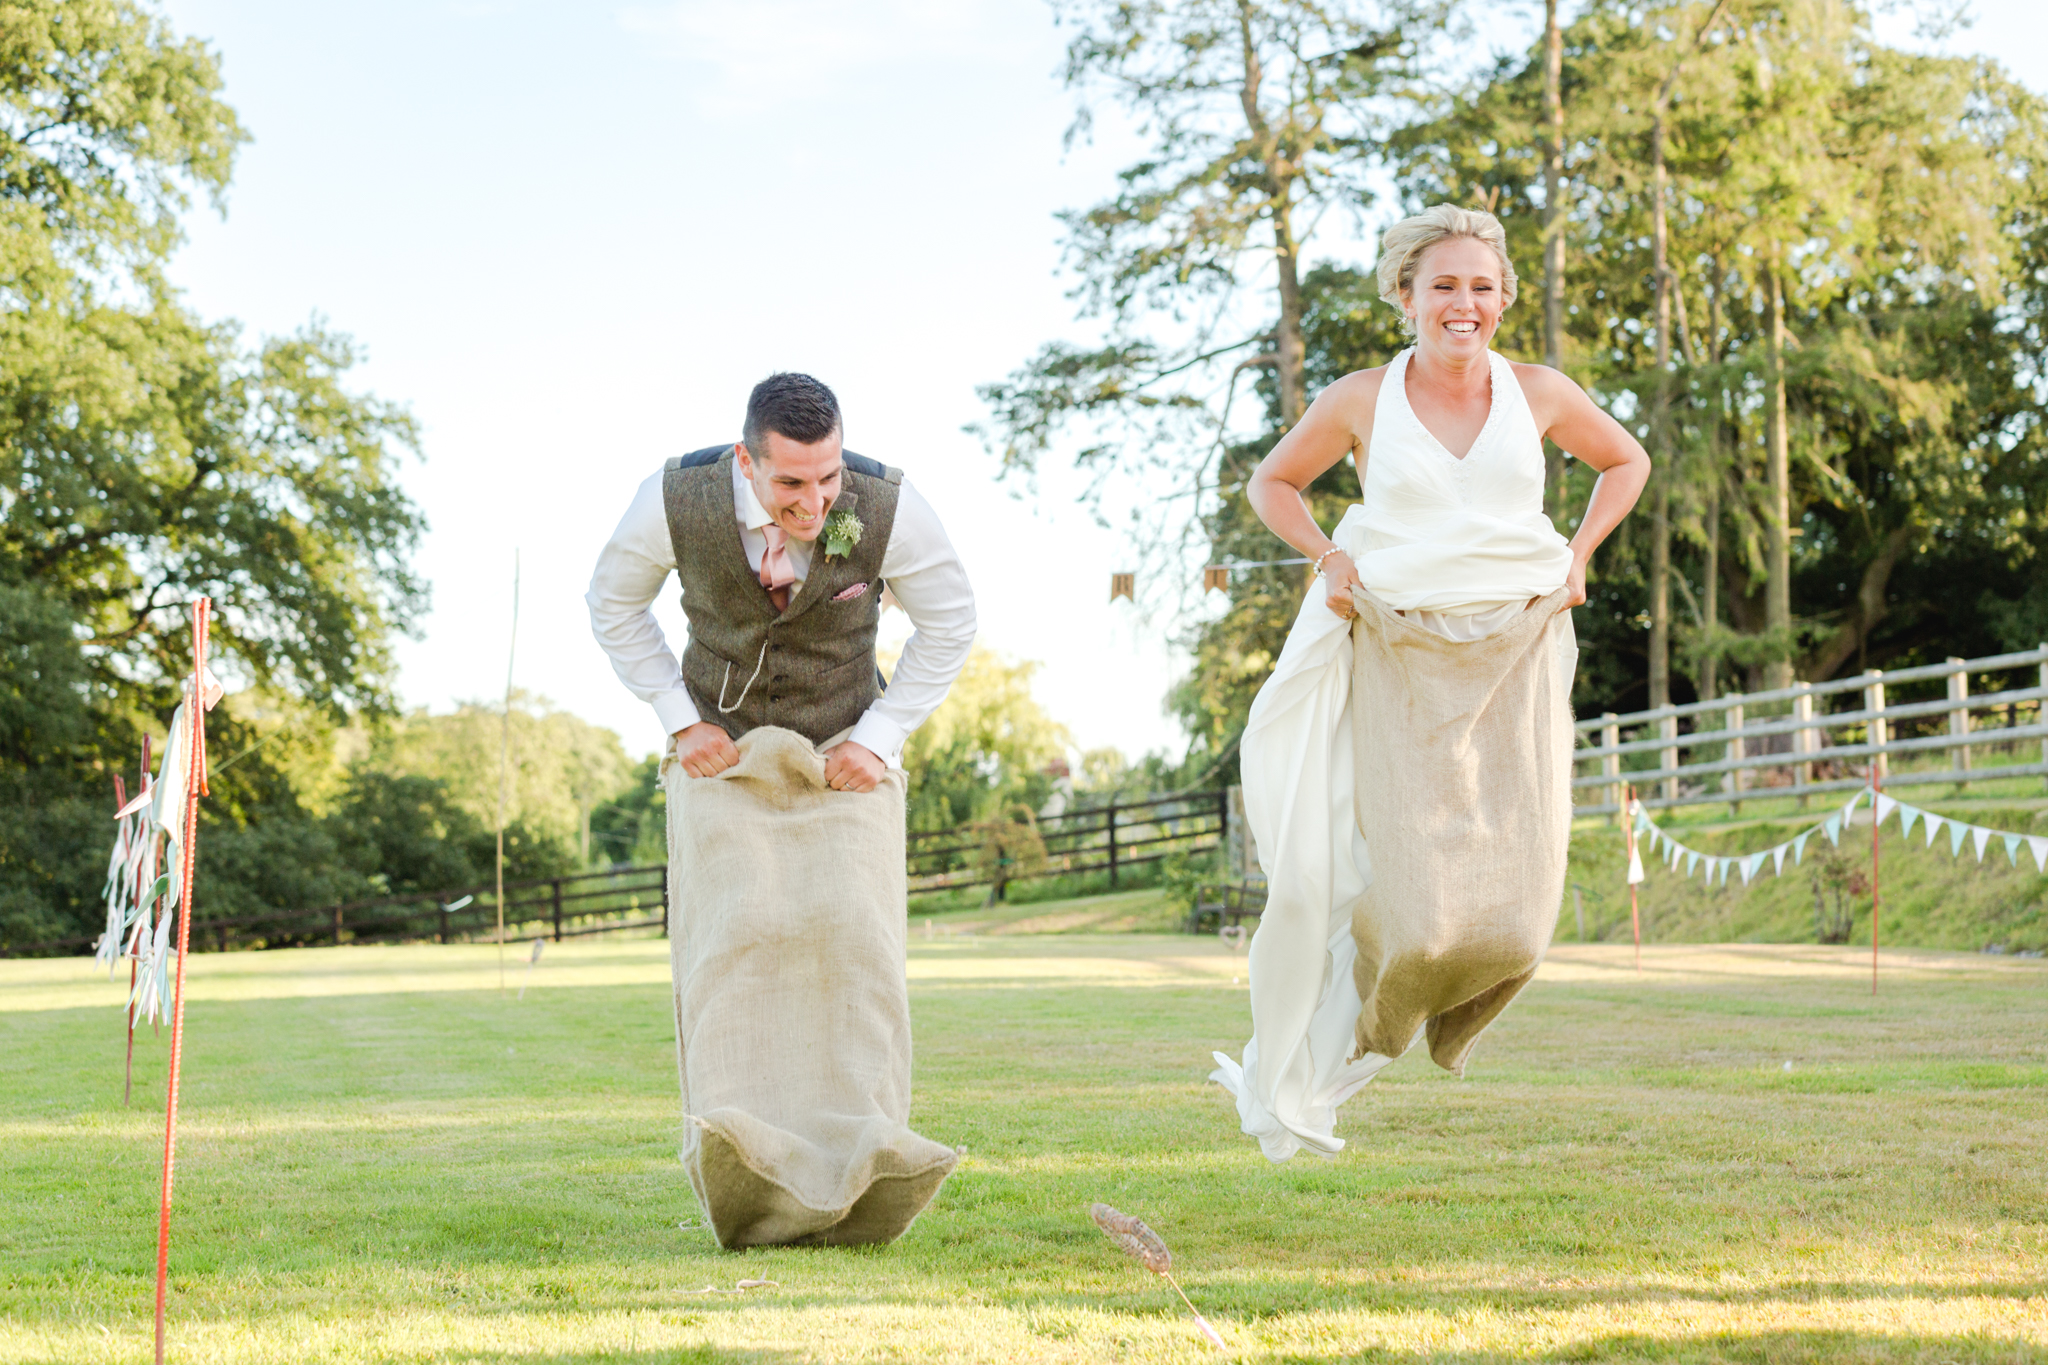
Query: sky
x,y
571,237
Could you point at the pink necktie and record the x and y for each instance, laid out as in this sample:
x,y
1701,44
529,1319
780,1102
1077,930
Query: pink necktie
x,y
776,571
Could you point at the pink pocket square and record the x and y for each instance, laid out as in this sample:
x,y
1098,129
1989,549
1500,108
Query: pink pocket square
x,y
850,593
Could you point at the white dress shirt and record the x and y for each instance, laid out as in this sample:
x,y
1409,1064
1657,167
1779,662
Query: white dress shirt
x,y
923,573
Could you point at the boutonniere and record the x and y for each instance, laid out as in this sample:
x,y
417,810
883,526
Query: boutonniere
x,y
842,533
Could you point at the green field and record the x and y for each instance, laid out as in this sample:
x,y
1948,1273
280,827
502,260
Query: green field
x,y
1738,1155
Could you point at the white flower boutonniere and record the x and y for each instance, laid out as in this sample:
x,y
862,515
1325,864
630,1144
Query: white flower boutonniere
x,y
842,533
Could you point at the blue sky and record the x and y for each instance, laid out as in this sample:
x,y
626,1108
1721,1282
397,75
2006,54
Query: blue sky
x,y
571,237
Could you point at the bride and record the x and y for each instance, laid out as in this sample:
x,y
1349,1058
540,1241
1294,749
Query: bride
x,y
1407,767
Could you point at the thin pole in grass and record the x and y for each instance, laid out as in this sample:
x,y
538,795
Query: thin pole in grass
x,y
1876,787
505,767
195,787
1635,874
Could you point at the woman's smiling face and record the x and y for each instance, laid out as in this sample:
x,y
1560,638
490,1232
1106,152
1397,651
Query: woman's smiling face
x,y
1456,298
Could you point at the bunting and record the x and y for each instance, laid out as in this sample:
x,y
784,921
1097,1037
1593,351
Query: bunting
x,y
145,871
1748,866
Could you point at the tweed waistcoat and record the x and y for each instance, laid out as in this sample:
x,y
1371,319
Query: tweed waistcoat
x,y
810,668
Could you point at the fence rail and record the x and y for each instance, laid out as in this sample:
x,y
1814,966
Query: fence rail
x,y
1112,838
1789,743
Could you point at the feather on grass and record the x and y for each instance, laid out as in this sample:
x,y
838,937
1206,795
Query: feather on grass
x,y
1148,1249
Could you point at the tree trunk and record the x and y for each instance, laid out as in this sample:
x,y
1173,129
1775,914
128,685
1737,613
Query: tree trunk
x,y
1660,430
1710,594
1288,346
1870,607
1660,595
1280,178
1778,485
1553,232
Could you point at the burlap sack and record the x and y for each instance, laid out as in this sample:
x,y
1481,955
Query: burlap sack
x,y
1463,780
786,940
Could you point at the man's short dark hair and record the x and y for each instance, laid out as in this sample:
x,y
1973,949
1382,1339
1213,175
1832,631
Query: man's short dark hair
x,y
791,405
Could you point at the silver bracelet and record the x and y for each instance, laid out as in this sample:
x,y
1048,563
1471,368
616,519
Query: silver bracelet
x,y
1318,569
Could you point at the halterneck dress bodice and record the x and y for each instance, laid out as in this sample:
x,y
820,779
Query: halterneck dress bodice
x,y
1450,537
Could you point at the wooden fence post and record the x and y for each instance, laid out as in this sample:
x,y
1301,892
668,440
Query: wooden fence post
x,y
1802,739
1667,757
1873,702
1610,736
1112,843
1732,719
558,909
1959,721
1223,826
337,926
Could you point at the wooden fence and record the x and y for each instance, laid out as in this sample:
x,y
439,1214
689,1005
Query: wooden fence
x,y
1113,838
1815,738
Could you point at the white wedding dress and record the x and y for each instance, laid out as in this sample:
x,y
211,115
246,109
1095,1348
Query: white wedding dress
x,y
1459,546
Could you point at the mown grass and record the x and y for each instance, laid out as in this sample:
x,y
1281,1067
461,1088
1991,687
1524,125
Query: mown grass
x,y
1738,1155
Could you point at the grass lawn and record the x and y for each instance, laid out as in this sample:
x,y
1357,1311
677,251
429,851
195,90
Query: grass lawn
x,y
1736,1156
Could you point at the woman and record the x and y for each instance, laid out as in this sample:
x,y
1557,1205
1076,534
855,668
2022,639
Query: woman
x,y
1407,767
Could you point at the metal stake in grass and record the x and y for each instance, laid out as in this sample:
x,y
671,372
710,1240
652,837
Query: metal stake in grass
x,y
1149,1250
538,944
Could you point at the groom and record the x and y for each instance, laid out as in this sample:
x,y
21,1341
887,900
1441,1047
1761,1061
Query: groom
x,y
785,805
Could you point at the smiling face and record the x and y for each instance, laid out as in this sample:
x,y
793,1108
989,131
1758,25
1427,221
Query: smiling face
x,y
1456,300
796,483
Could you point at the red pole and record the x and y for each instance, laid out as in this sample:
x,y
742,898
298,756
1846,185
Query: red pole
x,y
195,784
1635,917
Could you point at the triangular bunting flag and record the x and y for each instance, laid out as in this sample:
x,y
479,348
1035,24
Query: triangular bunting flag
x,y
1799,848
2039,848
1692,862
1983,837
1635,866
1833,826
1957,832
1855,801
1778,858
1907,815
1933,824
2012,849
1885,807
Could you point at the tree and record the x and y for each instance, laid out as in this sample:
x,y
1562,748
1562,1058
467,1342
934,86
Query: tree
x,y
563,767
147,458
1262,116
988,748
1911,300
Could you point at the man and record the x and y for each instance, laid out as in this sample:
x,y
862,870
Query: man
x,y
785,805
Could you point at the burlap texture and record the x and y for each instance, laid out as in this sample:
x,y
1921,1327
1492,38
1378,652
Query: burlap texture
x,y
1463,780
786,940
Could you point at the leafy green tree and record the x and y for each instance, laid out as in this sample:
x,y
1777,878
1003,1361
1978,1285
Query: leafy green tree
x,y
1850,240
147,457
562,767
989,748
1263,115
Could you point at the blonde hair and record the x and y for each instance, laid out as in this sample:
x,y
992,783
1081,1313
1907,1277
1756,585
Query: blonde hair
x,y
1402,246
